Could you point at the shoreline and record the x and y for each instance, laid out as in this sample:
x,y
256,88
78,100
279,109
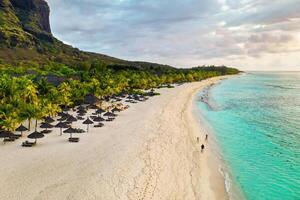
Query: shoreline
x,y
149,152
233,192
214,183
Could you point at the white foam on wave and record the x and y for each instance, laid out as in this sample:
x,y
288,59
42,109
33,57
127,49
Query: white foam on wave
x,y
227,181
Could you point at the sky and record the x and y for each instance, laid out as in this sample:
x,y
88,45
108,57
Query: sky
x,y
247,34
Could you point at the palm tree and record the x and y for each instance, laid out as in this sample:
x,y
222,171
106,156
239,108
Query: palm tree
x,y
65,94
30,94
28,111
49,108
8,121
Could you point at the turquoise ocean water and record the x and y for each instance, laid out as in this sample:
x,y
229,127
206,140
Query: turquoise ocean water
x,y
255,120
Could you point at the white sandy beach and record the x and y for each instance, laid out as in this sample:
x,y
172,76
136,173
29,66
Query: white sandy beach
x,y
149,152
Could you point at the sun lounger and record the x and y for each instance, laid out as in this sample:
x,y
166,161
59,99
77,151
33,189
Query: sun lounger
x,y
28,144
9,140
73,139
46,131
14,137
98,125
18,135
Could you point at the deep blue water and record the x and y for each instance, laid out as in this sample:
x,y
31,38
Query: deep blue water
x,y
255,119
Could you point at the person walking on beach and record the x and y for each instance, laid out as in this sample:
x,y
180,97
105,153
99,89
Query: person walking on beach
x,y
202,148
206,137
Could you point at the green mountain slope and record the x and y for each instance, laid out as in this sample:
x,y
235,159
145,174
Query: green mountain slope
x,y
25,35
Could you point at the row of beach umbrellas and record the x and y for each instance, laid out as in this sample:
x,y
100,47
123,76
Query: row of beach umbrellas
x,y
64,122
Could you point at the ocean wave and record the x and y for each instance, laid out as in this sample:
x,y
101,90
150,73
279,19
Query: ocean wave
x,y
281,87
205,98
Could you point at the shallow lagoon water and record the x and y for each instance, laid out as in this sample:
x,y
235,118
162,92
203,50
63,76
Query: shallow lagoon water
x,y
255,119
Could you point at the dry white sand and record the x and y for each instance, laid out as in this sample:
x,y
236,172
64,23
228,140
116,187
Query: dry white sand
x,y
149,152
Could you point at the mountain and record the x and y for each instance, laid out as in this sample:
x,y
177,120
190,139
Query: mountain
x,y
25,36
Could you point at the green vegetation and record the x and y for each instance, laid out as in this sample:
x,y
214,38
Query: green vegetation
x,y
25,92
39,75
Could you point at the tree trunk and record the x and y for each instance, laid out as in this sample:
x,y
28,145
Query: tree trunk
x,y
36,124
29,123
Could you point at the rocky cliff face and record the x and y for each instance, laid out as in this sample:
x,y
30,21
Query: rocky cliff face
x,y
33,14
24,23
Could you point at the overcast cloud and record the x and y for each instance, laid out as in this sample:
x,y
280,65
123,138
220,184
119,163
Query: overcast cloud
x,y
249,34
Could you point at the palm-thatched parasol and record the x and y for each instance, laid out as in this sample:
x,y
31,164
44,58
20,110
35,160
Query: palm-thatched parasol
x,y
46,125
116,110
61,125
5,134
21,129
109,114
91,99
100,111
81,111
49,119
71,119
81,107
93,106
36,135
70,130
98,119
87,122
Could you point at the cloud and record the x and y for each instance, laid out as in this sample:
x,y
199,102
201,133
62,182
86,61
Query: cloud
x,y
182,33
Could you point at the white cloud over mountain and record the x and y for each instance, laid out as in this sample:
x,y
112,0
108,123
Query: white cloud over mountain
x,y
249,34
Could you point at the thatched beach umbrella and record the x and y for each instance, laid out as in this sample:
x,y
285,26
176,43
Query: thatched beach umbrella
x,y
81,114
8,136
81,111
36,135
81,107
46,125
87,122
91,99
21,129
116,110
71,119
93,106
49,119
70,130
109,114
61,119
98,119
100,111
61,125
5,134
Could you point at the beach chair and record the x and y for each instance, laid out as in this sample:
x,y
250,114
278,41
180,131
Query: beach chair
x,y
28,144
46,131
9,140
98,125
15,137
73,140
18,135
